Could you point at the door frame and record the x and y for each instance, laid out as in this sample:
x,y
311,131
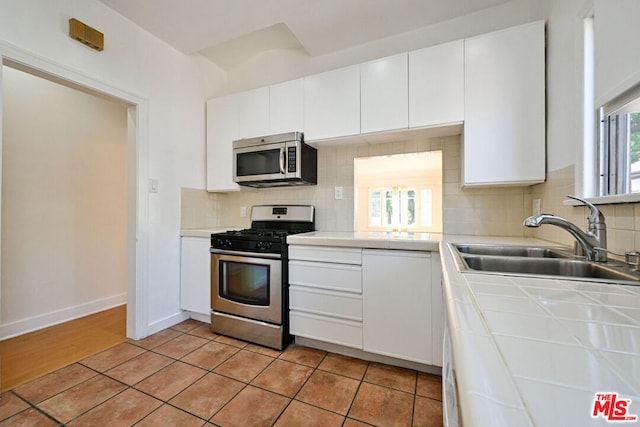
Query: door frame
x,y
137,159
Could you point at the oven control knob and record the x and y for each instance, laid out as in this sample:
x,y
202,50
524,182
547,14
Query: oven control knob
x,y
268,245
228,243
260,245
219,243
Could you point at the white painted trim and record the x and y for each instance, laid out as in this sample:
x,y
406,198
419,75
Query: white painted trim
x,y
167,322
138,217
206,318
23,326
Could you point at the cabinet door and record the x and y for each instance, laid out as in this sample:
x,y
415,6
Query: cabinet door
x,y
332,104
396,304
436,85
504,135
253,112
222,130
285,107
384,94
195,275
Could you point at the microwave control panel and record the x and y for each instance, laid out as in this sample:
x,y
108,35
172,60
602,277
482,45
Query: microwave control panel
x,y
291,159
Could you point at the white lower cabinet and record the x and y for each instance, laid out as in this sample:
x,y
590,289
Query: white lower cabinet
x,y
386,302
195,275
325,294
396,304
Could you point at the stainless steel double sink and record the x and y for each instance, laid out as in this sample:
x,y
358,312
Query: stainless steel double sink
x,y
539,261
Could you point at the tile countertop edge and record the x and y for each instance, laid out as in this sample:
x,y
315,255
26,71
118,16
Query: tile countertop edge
x,y
471,333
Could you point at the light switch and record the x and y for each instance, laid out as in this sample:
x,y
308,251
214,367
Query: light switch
x,y
153,185
339,193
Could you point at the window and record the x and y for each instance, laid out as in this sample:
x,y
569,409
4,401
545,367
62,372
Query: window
x,y
400,192
618,157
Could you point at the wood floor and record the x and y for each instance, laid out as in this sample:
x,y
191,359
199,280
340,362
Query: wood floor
x,y
38,353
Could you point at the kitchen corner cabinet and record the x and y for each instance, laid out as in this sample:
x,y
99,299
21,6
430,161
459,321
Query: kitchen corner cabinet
x,y
436,85
195,275
384,94
222,130
396,295
332,104
504,130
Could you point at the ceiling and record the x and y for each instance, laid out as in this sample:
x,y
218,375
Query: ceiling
x,y
229,32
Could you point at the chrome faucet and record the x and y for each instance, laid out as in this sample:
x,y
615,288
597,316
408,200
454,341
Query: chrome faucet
x,y
593,241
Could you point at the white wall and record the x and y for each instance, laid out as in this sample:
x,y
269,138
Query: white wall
x,y
280,65
64,202
175,87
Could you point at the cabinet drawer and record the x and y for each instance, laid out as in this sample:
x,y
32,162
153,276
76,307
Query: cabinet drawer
x,y
321,302
326,254
342,277
337,331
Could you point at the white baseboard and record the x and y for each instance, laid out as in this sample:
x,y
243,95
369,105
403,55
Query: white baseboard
x,y
23,326
167,322
206,318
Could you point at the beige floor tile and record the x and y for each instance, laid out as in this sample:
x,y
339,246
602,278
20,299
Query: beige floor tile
x,y
10,404
251,407
29,417
283,377
329,391
207,395
125,409
170,381
303,355
156,339
244,366
168,416
429,386
300,414
79,399
180,346
391,376
210,355
382,406
112,357
187,325
139,368
51,384
427,412
343,365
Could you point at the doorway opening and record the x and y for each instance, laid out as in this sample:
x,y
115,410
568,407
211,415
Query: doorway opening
x,y
87,296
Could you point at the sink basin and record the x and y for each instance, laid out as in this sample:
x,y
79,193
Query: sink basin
x,y
549,267
541,262
518,251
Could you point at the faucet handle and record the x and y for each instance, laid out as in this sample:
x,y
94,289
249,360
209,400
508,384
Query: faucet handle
x,y
595,216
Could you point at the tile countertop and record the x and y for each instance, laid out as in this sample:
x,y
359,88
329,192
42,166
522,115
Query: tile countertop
x,y
533,351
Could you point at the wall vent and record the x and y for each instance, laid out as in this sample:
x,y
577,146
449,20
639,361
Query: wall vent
x,y
85,34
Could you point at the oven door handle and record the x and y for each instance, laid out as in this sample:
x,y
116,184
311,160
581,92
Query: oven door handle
x,y
283,161
244,254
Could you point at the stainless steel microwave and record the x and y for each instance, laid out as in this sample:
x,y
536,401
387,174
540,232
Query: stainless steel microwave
x,y
275,160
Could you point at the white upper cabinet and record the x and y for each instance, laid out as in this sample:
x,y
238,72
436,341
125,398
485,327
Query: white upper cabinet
x,y
504,131
332,104
436,85
222,130
285,107
384,94
253,112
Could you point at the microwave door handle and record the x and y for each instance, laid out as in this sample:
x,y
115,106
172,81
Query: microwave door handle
x,y
283,161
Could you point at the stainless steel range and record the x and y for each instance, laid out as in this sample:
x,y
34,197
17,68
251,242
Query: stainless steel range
x,y
249,275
